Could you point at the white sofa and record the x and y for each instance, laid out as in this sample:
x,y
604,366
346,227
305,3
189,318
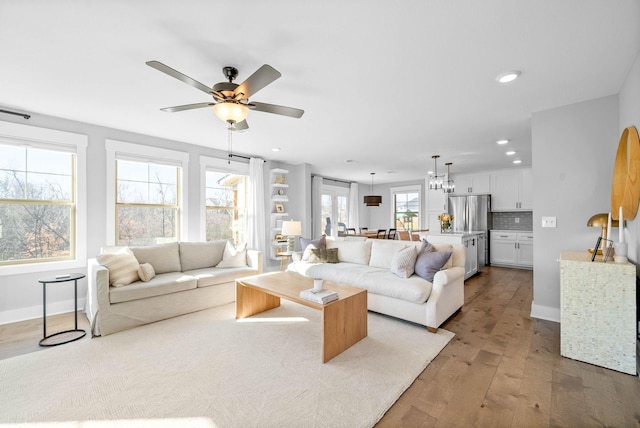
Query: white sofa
x,y
366,264
186,280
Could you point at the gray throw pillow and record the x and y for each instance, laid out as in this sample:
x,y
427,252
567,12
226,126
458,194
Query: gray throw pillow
x,y
319,243
429,263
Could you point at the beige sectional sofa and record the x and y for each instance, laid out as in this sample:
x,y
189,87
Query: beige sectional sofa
x,y
188,278
371,263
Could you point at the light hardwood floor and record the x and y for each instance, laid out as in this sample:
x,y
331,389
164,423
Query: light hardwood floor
x,y
503,369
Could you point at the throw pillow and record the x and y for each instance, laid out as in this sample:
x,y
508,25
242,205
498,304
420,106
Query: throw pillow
x,y
233,257
328,255
403,262
427,246
320,243
146,272
428,263
307,252
123,267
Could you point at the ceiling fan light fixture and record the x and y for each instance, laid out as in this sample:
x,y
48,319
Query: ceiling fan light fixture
x,y
231,112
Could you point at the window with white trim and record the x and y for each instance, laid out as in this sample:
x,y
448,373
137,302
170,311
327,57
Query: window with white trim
x,y
145,192
226,206
406,207
42,199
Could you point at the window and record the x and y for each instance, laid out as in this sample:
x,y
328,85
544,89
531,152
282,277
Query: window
x,y
406,207
42,190
144,191
147,209
335,210
226,206
37,204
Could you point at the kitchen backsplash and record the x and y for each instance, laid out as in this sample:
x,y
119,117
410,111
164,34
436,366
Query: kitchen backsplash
x,y
507,220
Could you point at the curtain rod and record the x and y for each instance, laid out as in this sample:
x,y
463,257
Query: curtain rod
x,y
26,116
333,179
241,156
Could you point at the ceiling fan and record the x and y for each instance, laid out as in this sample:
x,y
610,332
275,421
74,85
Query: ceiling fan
x,y
230,100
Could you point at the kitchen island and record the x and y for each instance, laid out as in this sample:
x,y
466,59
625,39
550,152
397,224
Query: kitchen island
x,y
474,242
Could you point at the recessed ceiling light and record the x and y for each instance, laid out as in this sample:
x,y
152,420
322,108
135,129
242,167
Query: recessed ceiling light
x,y
275,149
351,161
501,142
429,172
510,153
509,76
517,161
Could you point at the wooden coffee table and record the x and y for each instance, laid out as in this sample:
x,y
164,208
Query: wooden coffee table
x,y
344,321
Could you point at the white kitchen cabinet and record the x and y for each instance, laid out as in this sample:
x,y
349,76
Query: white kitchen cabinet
x,y
471,255
512,249
437,201
512,190
472,183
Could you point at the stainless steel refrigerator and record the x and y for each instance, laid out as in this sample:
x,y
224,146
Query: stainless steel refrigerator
x,y
472,213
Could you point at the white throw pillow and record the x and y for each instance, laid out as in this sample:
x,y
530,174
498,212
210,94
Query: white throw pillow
x,y
233,257
123,267
146,272
403,262
307,252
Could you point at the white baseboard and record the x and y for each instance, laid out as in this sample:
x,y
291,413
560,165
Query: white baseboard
x,y
548,313
33,312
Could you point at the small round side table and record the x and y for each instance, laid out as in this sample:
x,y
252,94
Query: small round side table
x,y
56,279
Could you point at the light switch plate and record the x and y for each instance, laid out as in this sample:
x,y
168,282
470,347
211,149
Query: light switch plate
x,y
548,222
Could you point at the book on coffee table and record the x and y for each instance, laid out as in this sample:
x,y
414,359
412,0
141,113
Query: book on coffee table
x,y
323,297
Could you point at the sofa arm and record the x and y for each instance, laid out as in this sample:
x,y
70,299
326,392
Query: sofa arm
x,y
254,260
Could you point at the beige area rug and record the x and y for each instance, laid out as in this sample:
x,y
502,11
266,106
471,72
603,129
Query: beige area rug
x,y
207,369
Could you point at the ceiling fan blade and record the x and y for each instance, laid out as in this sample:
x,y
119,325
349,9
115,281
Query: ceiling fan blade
x,y
186,107
281,110
258,80
240,126
176,74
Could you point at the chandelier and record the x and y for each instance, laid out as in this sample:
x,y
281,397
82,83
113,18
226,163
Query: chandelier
x,y
435,180
448,186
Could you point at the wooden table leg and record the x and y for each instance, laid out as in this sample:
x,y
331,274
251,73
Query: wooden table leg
x,y
250,301
344,324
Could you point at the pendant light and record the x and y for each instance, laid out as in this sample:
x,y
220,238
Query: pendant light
x,y
435,180
448,186
372,200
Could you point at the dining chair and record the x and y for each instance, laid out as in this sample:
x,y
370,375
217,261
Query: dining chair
x,y
382,233
391,234
404,235
363,229
351,231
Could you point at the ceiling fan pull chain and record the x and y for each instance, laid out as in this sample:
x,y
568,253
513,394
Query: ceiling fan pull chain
x,y
230,150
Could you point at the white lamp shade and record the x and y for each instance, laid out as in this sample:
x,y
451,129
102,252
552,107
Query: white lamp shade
x,y
291,228
231,112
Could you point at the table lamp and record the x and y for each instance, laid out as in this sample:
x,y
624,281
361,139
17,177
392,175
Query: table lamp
x,y
601,220
291,229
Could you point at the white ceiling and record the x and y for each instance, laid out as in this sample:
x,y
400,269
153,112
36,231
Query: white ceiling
x,y
387,84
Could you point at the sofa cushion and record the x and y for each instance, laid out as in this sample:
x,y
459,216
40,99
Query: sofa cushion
x,y
233,257
327,255
163,257
165,283
320,243
146,272
374,280
430,262
214,276
383,250
403,262
122,265
199,255
352,251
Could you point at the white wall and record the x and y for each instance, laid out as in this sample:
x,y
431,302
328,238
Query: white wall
x,y
574,149
21,295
